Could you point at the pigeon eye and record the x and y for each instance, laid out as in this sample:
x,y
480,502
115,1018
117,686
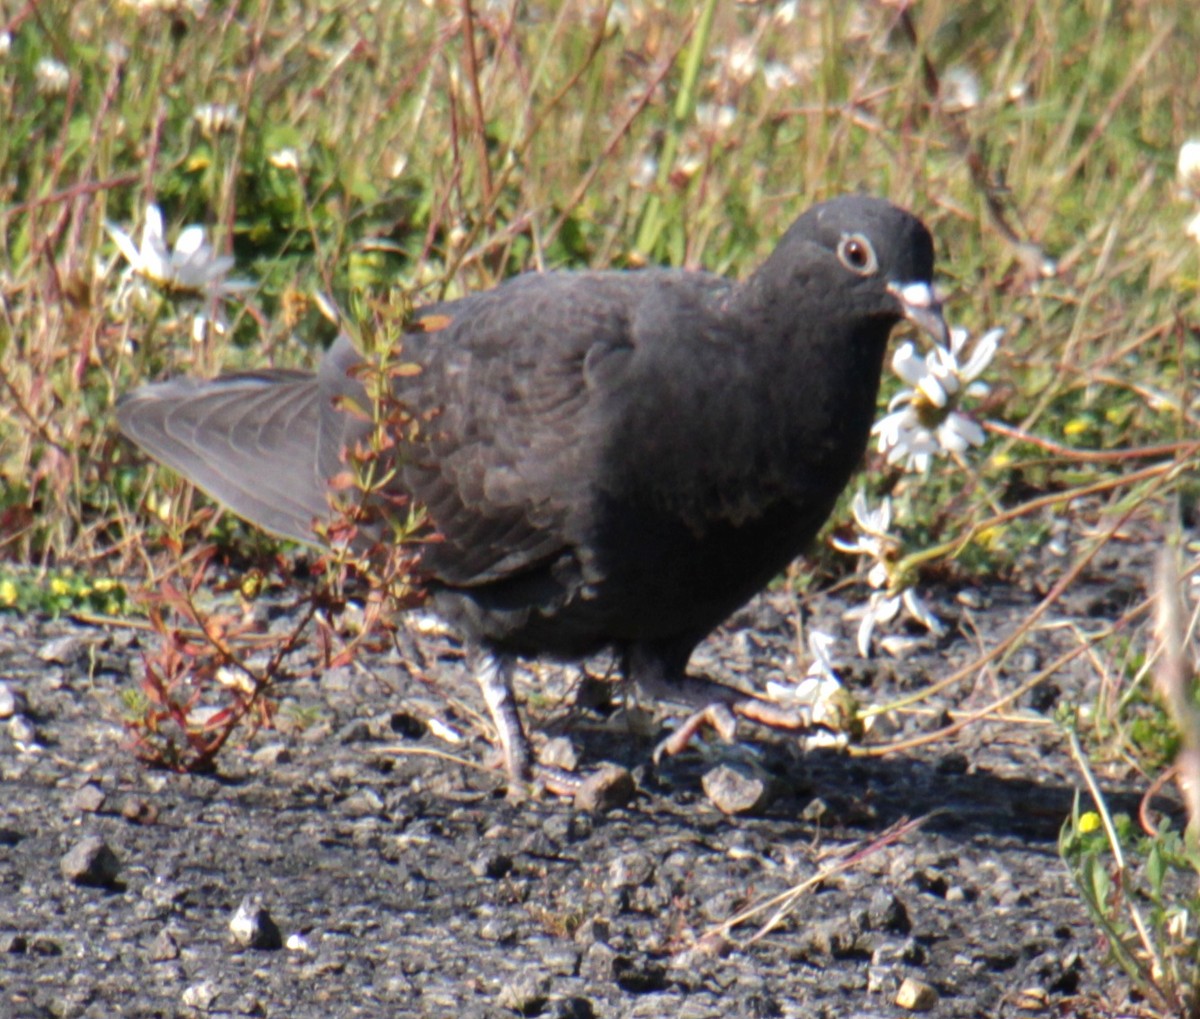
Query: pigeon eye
x,y
856,254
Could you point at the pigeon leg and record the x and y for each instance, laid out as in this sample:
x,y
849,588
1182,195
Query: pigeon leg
x,y
493,673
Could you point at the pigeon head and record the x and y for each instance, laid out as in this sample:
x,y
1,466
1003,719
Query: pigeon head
x,y
870,259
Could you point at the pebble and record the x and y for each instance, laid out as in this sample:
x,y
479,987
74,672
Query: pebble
x,y
598,963
630,870
138,811
971,597
10,701
364,803
164,948
638,975
605,789
65,650
916,995
887,912
23,732
272,754
573,1008
526,994
252,926
91,862
737,788
13,944
88,798
492,863
44,946
559,752
201,996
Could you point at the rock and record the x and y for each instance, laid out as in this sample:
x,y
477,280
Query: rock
x,y
65,650
559,752
605,789
201,996
138,811
491,863
91,862
23,732
630,870
916,995
526,994
12,943
10,701
737,788
887,913
88,799
164,948
252,926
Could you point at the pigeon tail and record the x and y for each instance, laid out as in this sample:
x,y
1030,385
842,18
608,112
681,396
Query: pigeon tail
x,y
250,441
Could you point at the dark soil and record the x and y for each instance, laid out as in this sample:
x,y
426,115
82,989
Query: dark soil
x,y
406,885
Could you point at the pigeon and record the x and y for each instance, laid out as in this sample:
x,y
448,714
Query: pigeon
x,y
613,459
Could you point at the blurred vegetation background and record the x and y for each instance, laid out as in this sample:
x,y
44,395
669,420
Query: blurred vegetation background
x,y
350,148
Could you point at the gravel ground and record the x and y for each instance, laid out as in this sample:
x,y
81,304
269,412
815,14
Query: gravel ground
x,y
364,880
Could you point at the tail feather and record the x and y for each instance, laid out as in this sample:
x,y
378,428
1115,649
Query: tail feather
x,y
253,442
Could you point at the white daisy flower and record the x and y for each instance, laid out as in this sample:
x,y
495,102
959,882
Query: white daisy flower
x,y
215,118
960,90
778,76
191,271
51,77
1188,168
924,421
741,62
874,541
715,117
820,692
882,608
287,159
1193,228
890,593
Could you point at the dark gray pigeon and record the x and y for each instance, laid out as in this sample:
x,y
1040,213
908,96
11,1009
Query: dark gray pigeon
x,y
619,459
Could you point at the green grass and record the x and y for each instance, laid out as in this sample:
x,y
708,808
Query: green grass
x,y
439,154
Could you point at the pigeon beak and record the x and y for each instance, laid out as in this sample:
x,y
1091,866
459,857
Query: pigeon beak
x,y
922,308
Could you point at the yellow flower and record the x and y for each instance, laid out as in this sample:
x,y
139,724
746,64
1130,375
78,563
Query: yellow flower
x,y
8,593
1089,823
58,586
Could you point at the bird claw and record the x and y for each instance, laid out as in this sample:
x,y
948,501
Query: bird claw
x,y
721,716
716,716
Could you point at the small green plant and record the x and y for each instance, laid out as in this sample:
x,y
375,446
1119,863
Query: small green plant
x,y
61,592
1141,883
214,669
1141,891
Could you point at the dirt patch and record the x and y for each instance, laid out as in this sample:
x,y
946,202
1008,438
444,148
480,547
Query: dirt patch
x,y
400,884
